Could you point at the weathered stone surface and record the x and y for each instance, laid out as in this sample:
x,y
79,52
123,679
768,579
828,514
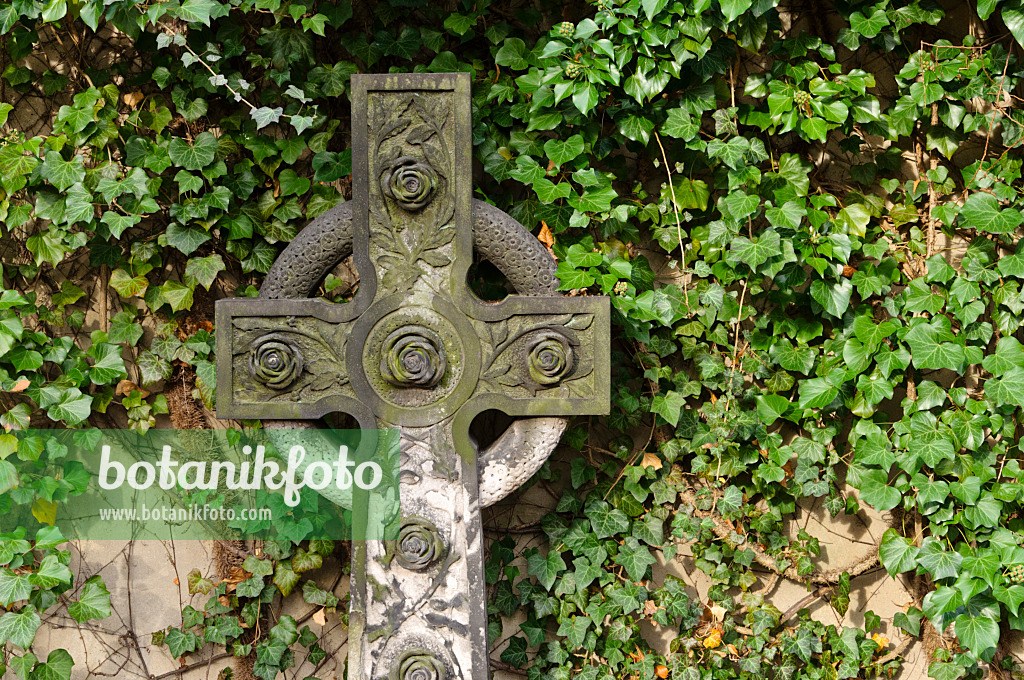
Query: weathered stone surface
x,y
415,350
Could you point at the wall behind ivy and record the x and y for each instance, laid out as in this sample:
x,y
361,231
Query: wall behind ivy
x,y
807,216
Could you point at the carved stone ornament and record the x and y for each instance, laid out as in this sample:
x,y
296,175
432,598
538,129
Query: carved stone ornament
x,y
416,351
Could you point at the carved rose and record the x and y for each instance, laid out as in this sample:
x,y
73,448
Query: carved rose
x,y
418,664
275,362
413,356
410,183
551,358
419,544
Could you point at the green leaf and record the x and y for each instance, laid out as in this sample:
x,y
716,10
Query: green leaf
x,y
982,212
1009,389
636,128
58,666
690,194
816,393
732,9
546,567
870,26
1013,17
680,124
204,269
19,628
979,633
897,553
13,587
560,152
833,296
929,351
118,224
574,629
61,173
73,407
193,156
770,407
635,558
127,285
265,115
755,253
94,602
594,199
186,239
606,520
668,406
179,642
937,561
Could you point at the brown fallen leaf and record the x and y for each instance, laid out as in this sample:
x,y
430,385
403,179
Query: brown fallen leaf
x,y
546,237
20,386
320,617
651,459
125,387
133,99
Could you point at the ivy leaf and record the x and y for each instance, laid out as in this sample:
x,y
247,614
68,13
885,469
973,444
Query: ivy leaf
x,y
13,587
817,393
897,553
1013,17
979,633
193,156
937,561
834,297
574,629
127,285
546,567
680,125
875,490
94,603
185,239
561,152
57,666
869,26
594,199
205,269
180,643
265,115
606,520
73,407
732,9
755,253
668,406
635,558
61,173
20,627
928,350
1009,389
118,224
515,653
981,211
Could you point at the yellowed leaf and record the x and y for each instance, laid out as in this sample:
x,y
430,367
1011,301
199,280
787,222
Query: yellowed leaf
x,y
320,617
45,511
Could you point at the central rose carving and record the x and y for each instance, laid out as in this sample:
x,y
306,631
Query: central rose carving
x,y
418,664
413,356
275,362
551,358
410,183
419,544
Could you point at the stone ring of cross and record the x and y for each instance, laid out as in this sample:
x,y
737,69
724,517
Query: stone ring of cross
x,y
416,350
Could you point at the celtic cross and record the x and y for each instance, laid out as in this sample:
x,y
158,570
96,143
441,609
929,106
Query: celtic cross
x,y
417,351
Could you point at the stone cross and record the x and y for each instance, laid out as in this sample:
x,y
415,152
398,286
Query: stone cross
x,y
417,351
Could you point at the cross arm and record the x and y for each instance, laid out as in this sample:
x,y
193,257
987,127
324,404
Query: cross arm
x,y
282,359
544,356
